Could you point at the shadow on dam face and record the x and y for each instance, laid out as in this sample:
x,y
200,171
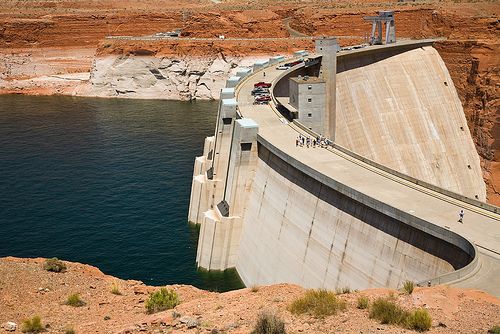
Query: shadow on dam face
x,y
426,242
368,57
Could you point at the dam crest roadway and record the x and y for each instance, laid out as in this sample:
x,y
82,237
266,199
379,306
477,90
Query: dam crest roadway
x,y
329,217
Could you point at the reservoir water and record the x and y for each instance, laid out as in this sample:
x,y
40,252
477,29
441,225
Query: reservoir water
x,y
104,182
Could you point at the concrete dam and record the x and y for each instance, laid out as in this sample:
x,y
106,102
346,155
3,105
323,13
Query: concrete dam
x,y
377,206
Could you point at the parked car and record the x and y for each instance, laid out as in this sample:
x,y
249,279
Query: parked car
x,y
293,63
262,84
260,102
260,91
262,98
283,67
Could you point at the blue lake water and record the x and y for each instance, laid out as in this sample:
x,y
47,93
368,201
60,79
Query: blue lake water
x,y
104,182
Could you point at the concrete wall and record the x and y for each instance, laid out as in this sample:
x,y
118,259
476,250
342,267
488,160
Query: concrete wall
x,y
321,233
322,238
401,109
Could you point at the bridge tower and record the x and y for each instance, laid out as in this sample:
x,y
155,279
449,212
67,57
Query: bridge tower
x,y
327,47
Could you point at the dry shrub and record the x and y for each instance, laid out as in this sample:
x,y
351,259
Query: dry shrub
x,y
319,303
269,323
55,265
363,302
74,300
419,320
388,312
408,287
33,325
115,290
494,330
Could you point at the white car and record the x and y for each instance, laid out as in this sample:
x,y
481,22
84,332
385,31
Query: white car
x,y
282,67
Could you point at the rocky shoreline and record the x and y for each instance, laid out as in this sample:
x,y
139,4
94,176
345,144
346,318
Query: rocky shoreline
x,y
128,76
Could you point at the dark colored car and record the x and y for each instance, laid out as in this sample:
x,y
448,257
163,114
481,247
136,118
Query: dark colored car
x,y
293,63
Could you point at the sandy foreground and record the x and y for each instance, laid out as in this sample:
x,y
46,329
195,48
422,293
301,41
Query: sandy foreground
x,y
26,289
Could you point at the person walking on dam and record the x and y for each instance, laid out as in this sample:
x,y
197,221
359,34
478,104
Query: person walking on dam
x,y
461,216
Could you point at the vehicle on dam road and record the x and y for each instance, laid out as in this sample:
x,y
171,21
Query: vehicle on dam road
x,y
263,98
293,63
260,91
262,84
283,67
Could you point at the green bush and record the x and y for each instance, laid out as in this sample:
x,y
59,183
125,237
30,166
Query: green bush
x,y
419,320
494,330
363,302
55,265
269,323
74,300
161,300
115,290
387,312
408,287
33,325
319,303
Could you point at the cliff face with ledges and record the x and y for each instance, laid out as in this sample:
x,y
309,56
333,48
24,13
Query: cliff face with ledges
x,y
474,67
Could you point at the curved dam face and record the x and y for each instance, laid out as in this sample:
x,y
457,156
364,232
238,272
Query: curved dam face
x,y
324,217
402,110
301,231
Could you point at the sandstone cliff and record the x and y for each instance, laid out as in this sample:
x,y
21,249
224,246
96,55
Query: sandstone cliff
x,y
42,42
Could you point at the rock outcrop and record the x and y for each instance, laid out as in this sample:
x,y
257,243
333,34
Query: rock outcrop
x,y
174,78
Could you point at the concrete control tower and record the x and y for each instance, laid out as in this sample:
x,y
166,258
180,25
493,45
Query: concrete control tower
x,y
327,47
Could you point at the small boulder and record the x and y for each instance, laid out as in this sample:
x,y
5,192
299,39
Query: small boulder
x,y
189,322
10,326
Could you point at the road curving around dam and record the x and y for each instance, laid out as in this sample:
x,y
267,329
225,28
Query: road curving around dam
x,y
334,184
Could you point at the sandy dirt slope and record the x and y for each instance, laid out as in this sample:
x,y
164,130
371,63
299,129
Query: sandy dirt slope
x,y
27,290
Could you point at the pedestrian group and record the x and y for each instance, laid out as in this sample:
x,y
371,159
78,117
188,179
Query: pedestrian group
x,y
312,142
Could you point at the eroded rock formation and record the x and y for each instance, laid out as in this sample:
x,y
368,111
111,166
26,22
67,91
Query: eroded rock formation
x,y
175,78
